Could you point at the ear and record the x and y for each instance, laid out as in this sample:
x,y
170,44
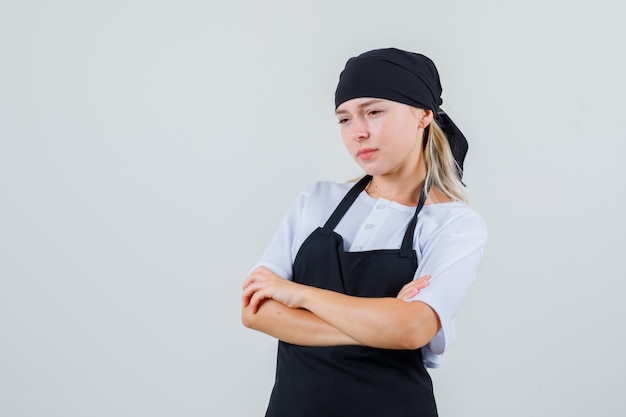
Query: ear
x,y
427,117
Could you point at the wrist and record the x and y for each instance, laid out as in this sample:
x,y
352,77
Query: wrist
x,y
306,297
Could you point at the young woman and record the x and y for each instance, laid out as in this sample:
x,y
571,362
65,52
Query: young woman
x,y
338,285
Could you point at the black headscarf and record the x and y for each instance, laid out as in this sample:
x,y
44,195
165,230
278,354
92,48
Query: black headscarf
x,y
405,77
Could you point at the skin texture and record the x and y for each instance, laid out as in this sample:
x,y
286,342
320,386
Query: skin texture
x,y
385,139
280,318
310,316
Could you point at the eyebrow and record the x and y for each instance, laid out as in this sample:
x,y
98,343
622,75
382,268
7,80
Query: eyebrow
x,y
361,105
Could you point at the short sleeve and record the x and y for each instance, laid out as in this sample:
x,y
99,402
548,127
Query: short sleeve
x,y
450,252
278,255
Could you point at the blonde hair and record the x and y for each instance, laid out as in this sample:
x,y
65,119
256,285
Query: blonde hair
x,y
441,168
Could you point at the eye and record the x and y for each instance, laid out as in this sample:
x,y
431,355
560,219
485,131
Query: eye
x,y
342,120
374,112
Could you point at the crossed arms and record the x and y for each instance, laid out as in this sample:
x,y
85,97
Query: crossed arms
x,y
309,316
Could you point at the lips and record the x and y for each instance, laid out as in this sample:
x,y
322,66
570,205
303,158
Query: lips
x,y
366,153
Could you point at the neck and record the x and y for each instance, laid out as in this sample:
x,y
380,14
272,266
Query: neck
x,y
403,189
408,196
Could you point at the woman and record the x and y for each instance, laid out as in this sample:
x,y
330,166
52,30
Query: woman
x,y
338,285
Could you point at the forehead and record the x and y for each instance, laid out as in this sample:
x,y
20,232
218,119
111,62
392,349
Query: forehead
x,y
358,103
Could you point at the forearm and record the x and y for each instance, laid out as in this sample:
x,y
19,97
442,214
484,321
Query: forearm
x,y
387,323
293,325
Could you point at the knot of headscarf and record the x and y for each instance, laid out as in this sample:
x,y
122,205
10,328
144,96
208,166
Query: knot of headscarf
x,y
405,77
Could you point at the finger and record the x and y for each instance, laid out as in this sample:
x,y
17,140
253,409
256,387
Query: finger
x,y
249,291
245,284
260,270
256,300
404,293
413,287
408,293
420,284
252,288
249,279
254,277
245,298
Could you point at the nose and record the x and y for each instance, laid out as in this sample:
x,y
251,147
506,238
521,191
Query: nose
x,y
359,130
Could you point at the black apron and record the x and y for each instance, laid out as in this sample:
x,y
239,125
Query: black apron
x,y
352,381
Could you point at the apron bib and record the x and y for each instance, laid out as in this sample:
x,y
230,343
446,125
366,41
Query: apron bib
x,y
352,381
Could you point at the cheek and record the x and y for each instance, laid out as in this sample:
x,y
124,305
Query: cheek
x,y
345,138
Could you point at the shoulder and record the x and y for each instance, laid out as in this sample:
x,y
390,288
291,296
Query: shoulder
x,y
326,189
316,201
452,219
322,194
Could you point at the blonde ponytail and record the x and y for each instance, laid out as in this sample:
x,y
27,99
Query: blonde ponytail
x,y
441,168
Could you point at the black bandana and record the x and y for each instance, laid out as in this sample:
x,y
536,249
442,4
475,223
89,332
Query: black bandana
x,y
404,77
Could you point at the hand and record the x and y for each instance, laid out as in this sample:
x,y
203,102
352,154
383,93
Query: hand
x,y
263,284
413,287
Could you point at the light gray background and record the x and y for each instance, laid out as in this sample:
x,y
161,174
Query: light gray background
x,y
148,150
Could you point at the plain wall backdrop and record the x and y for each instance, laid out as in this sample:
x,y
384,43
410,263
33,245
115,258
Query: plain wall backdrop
x,y
149,149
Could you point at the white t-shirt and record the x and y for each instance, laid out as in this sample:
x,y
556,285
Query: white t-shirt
x,y
449,240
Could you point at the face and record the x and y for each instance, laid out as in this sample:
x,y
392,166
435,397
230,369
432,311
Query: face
x,y
384,137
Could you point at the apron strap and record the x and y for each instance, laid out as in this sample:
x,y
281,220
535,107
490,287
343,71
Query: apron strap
x,y
407,242
345,204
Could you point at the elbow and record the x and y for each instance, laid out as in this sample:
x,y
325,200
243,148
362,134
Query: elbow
x,y
247,318
255,320
407,335
420,329
416,342
413,341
